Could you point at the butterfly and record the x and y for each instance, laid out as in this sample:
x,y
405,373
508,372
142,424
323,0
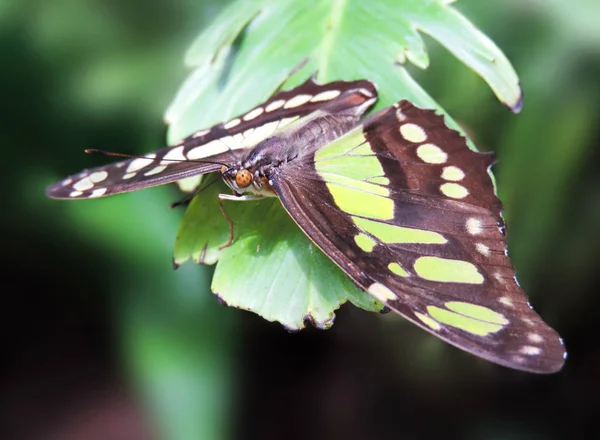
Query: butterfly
x,y
397,200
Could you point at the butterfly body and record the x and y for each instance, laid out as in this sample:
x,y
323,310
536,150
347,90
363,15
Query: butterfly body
x,y
255,171
398,201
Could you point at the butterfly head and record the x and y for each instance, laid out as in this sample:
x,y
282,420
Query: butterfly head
x,y
242,180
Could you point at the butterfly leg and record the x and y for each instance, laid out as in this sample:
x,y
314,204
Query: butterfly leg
x,y
244,198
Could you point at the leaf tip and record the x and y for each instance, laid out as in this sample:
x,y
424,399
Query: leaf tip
x,y
325,324
518,104
291,329
220,299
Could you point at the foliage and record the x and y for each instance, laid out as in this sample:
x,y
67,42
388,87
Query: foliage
x,y
239,60
98,74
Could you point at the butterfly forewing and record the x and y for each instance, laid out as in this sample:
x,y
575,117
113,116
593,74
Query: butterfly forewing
x,y
208,150
409,212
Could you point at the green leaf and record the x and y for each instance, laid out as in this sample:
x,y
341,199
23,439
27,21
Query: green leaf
x,y
343,39
275,272
239,61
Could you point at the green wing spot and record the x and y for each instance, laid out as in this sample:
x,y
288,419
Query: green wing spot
x,y
430,153
380,180
363,150
413,133
453,173
454,190
350,156
346,175
356,202
365,242
398,270
352,167
398,234
354,184
428,321
447,271
470,325
343,145
477,312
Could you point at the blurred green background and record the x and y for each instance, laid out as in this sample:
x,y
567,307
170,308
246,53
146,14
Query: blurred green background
x,y
103,340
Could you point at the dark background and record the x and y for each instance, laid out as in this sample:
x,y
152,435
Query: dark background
x,y
102,340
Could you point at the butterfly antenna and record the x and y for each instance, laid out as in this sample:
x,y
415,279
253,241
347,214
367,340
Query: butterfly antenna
x,y
134,156
291,73
189,197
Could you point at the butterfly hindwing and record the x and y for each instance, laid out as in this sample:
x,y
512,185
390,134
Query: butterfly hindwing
x,y
409,212
208,150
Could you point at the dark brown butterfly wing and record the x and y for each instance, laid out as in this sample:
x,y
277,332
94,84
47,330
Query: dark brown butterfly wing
x,y
208,150
409,212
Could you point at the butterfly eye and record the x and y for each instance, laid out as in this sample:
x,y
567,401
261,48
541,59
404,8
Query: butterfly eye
x,y
243,178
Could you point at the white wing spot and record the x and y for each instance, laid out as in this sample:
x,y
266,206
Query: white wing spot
x,y
474,226
528,321
198,134
83,184
325,96
232,123
67,181
98,192
413,133
506,301
297,101
499,277
253,114
128,176
399,115
286,121
275,105
366,92
239,139
98,176
253,137
483,249
138,164
530,350
232,142
431,153
380,292
453,173
75,194
534,337
454,190
156,170
212,148
176,154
